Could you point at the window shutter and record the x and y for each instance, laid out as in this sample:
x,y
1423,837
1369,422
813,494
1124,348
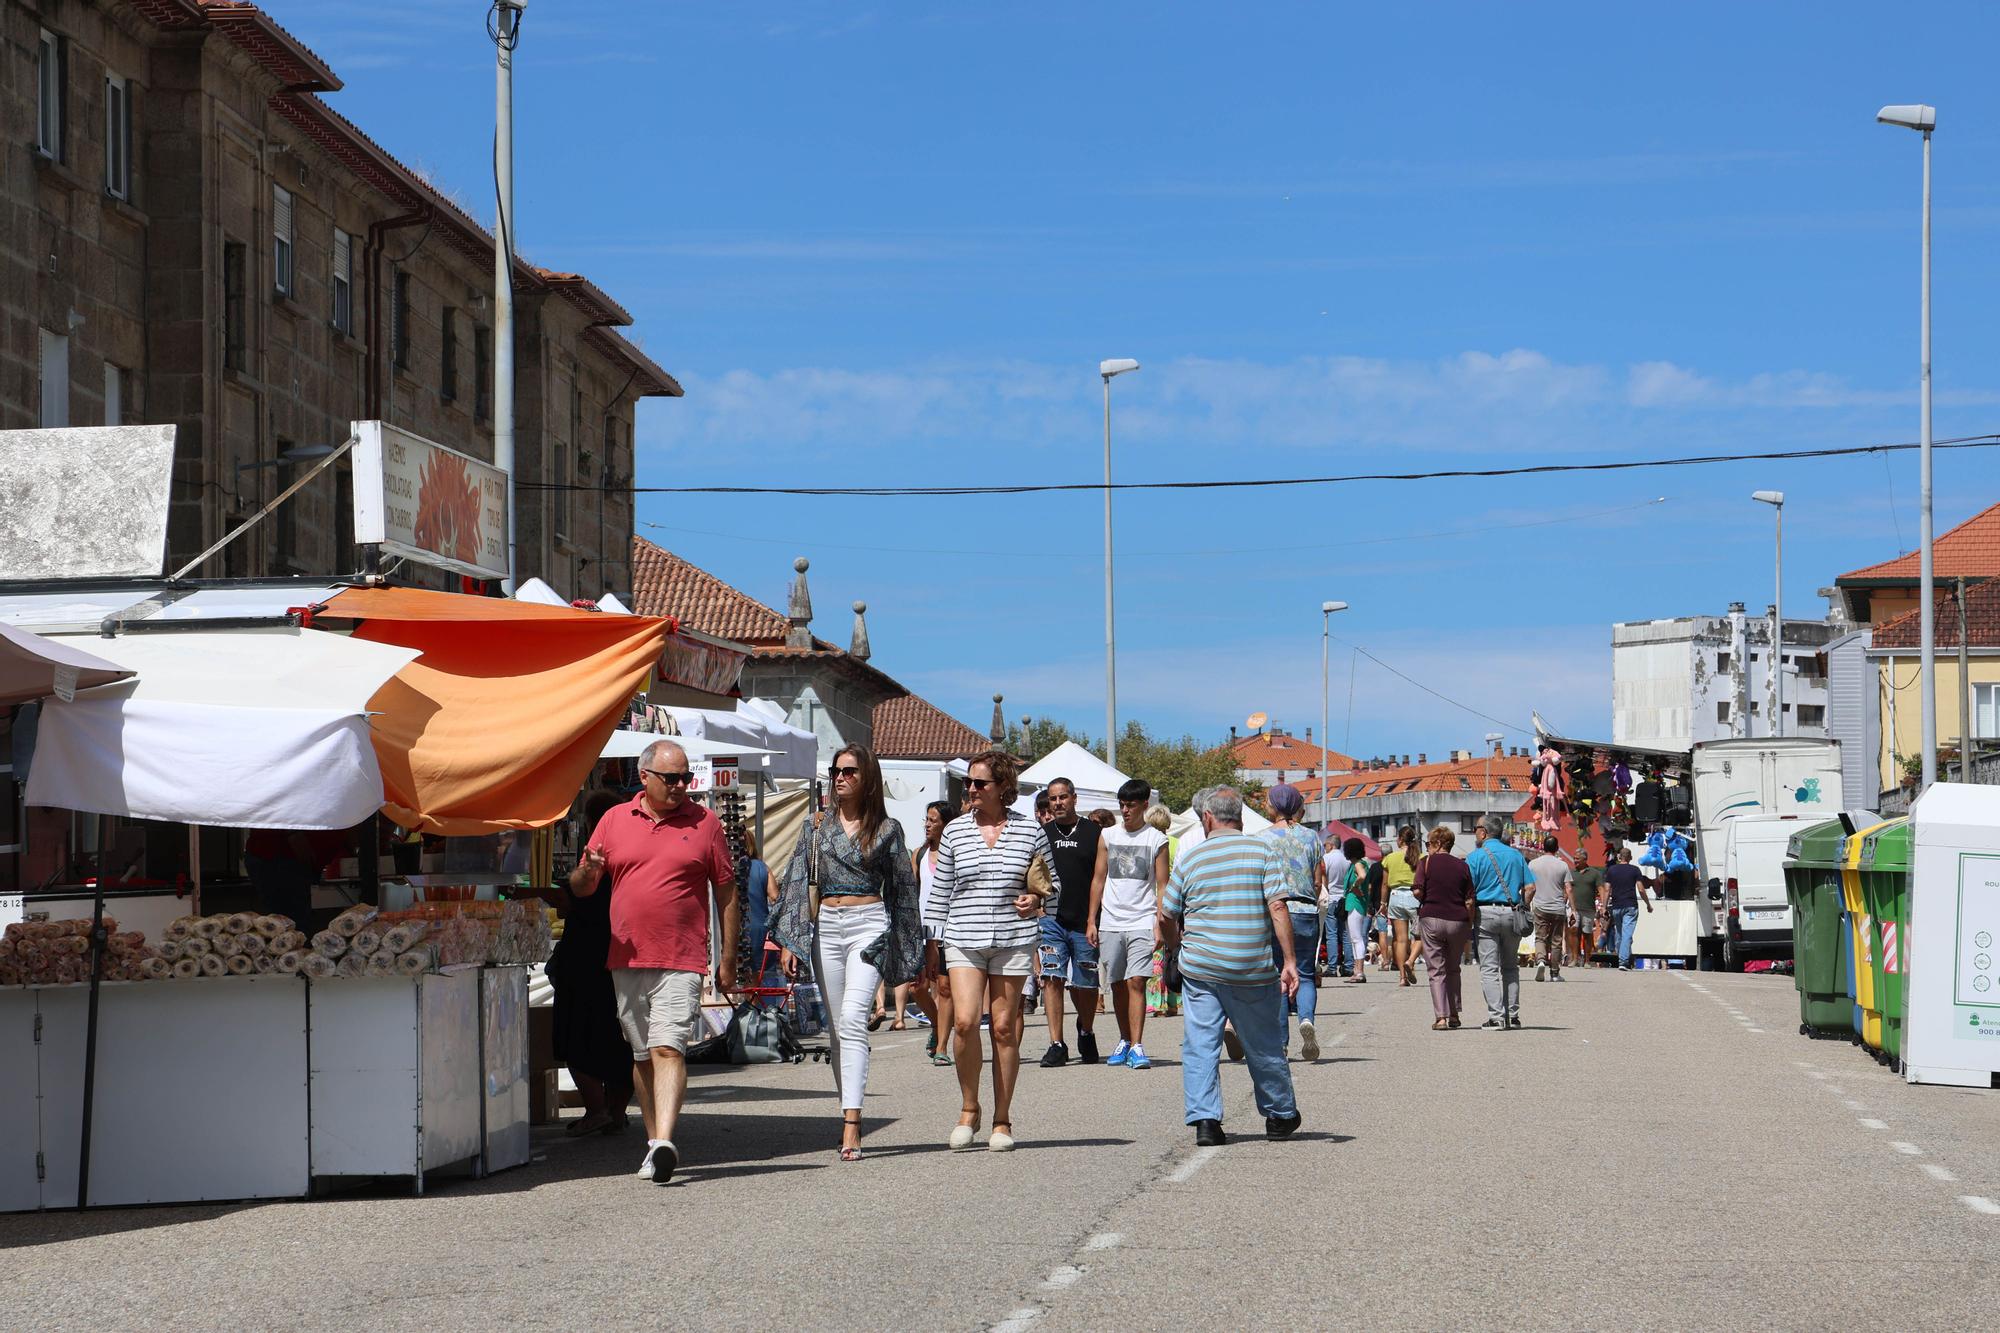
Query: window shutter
x,y
281,212
341,255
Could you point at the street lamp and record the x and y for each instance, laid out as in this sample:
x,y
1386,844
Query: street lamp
x,y
1923,119
1326,610
1776,499
1493,738
1110,370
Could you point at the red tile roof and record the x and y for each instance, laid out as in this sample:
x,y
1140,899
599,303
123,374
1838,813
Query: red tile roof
x,y
1971,549
1452,775
663,584
914,728
1277,752
1982,621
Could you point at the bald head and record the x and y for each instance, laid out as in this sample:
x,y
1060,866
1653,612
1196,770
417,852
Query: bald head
x,y
664,756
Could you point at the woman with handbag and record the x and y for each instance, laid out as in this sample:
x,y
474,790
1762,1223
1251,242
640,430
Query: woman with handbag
x,y
849,901
1445,913
991,886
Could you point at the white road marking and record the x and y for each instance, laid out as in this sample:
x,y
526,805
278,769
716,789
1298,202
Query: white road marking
x,y
1018,1320
1335,1041
1853,1105
1068,1275
1814,1073
1758,1031
1870,1123
1185,1171
1104,1240
1938,1173
1979,1203
1907,1149
1840,1092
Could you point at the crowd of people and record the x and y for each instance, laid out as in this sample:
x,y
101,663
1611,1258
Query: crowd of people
x,y
996,910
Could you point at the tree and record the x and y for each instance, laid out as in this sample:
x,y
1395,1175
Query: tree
x,y
1038,740
1178,768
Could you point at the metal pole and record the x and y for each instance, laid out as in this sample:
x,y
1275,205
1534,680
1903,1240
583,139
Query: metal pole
x,y
1965,728
509,29
1110,628
1778,629
1325,647
1926,613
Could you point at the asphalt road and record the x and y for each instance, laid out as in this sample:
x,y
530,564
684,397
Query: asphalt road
x,y
1653,1149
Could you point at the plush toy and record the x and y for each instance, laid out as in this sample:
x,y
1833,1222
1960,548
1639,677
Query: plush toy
x,y
1552,798
1621,778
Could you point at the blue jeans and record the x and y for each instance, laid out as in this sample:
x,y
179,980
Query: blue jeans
x,y
1624,920
1305,939
1253,1011
1334,928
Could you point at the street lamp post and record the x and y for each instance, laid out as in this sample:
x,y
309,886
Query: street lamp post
x,y
1923,119
1776,499
1109,370
503,25
1493,738
1326,610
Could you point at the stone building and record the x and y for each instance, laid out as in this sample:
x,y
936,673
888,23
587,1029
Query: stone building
x,y
194,236
1702,678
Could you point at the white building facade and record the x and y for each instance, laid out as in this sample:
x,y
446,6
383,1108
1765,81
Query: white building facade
x,y
1702,678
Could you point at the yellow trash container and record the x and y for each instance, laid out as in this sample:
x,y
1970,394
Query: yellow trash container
x,y
1867,938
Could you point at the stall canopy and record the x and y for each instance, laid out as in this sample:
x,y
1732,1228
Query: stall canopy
x,y
1096,782
1338,831
499,723
259,728
627,744
757,723
32,666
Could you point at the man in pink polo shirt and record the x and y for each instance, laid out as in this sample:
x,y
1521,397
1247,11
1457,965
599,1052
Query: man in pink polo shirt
x,y
665,856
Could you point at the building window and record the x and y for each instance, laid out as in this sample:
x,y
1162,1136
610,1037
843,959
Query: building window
x,y
117,137
281,236
342,283
1986,711
559,496
482,372
235,311
399,320
55,379
1722,712
1722,663
448,357
51,90
1468,824
1465,784
114,395
1811,715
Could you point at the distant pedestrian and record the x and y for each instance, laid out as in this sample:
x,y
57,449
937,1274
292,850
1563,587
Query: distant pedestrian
x,y
1360,883
1585,884
1297,850
1043,814
1550,906
983,921
1333,909
1399,874
1161,998
1624,888
1500,881
1125,920
1068,958
934,988
849,902
1224,905
1445,913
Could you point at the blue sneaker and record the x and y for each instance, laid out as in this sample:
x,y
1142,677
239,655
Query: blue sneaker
x,y
1120,1054
1136,1059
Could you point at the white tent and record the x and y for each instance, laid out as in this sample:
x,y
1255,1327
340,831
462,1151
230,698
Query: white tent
x,y
625,743
1186,826
1097,782
758,724
262,728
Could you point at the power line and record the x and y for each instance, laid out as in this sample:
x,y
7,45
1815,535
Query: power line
x,y
1499,722
1533,470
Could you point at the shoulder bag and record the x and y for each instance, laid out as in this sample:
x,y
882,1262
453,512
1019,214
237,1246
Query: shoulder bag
x,y
1524,921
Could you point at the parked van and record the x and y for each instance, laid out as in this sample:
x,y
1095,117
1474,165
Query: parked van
x,y
1756,917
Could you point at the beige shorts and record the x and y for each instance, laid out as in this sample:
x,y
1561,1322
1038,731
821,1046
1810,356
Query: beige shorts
x,y
657,1007
1008,960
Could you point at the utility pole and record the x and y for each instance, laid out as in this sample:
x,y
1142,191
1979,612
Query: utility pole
x,y
503,25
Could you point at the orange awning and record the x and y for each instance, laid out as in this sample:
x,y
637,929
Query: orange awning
x,y
497,725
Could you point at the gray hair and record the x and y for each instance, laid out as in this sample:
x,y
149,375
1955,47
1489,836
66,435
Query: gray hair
x,y
1496,827
1199,801
647,755
1225,806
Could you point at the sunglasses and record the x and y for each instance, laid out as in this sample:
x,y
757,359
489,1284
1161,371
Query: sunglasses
x,y
979,784
845,771
673,778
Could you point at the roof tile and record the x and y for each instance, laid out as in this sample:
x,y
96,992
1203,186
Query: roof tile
x,y
914,728
1971,549
1279,752
1509,773
1982,621
663,584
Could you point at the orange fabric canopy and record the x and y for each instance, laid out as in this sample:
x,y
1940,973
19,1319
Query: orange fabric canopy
x,y
497,725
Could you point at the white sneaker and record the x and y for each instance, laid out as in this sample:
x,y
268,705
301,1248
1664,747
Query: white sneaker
x,y
1308,1043
1541,971
645,1171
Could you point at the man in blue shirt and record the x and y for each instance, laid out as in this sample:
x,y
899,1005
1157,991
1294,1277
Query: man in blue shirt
x,y
1500,879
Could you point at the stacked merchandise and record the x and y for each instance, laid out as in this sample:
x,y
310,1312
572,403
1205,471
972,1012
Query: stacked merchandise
x,y
53,953
362,942
470,934
728,805
233,944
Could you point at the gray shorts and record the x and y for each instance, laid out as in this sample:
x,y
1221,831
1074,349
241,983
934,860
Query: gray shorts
x,y
1003,960
657,1008
1124,954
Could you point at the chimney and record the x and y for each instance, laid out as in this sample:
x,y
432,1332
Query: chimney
x,y
1232,735
799,609
1423,759
1836,610
998,732
858,647
1406,761
1309,735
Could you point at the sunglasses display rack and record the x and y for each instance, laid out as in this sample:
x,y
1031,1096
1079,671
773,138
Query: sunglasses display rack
x,y
728,806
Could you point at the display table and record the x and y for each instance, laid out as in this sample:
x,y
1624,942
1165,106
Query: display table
x,y
1670,930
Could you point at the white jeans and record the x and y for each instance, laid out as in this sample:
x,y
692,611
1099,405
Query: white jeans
x,y
849,987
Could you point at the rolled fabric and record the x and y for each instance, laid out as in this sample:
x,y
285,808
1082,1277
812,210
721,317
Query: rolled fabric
x,y
381,964
187,967
352,964
263,964
353,920
155,969
229,946
365,940
7,947
329,944
406,936
291,941
213,966
170,950
317,965
209,927
238,923
414,963
272,926
289,962
240,965
252,944
76,945
179,928
194,946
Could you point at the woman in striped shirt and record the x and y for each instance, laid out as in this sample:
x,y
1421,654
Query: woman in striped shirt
x,y
982,920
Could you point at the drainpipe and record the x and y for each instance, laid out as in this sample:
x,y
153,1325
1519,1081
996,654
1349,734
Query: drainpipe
x,y
372,381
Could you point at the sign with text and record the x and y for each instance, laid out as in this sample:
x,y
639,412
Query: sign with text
x,y
428,503
717,774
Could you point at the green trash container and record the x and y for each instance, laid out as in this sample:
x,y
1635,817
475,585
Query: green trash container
x,y
1812,883
1885,885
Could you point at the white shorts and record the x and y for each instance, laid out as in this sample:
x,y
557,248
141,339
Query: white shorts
x,y
657,1008
1123,955
1007,960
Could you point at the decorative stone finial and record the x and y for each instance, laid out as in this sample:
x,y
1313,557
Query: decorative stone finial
x,y
799,610
858,648
998,733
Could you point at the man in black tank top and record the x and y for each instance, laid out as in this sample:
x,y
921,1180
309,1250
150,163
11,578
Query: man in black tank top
x,y
1069,959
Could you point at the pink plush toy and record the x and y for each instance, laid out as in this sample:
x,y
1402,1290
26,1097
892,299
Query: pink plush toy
x,y
1554,791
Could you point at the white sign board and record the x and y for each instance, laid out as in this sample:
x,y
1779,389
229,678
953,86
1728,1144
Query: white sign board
x,y
428,503
1951,1033
716,774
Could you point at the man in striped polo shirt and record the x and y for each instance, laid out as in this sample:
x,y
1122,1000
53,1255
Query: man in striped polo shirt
x,y
1225,907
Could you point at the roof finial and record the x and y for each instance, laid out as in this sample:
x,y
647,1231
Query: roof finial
x,y
858,648
998,732
799,611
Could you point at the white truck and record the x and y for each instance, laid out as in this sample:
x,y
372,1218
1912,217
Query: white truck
x,y
1749,797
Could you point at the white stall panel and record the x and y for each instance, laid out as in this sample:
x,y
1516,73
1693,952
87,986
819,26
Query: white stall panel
x,y
1952,1031
504,1051
364,1076
20,1127
450,1062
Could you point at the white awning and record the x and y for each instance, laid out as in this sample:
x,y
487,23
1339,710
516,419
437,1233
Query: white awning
x,y
257,728
32,667
627,744
794,752
81,612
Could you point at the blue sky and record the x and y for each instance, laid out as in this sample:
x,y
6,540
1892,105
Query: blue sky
x,y
889,244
